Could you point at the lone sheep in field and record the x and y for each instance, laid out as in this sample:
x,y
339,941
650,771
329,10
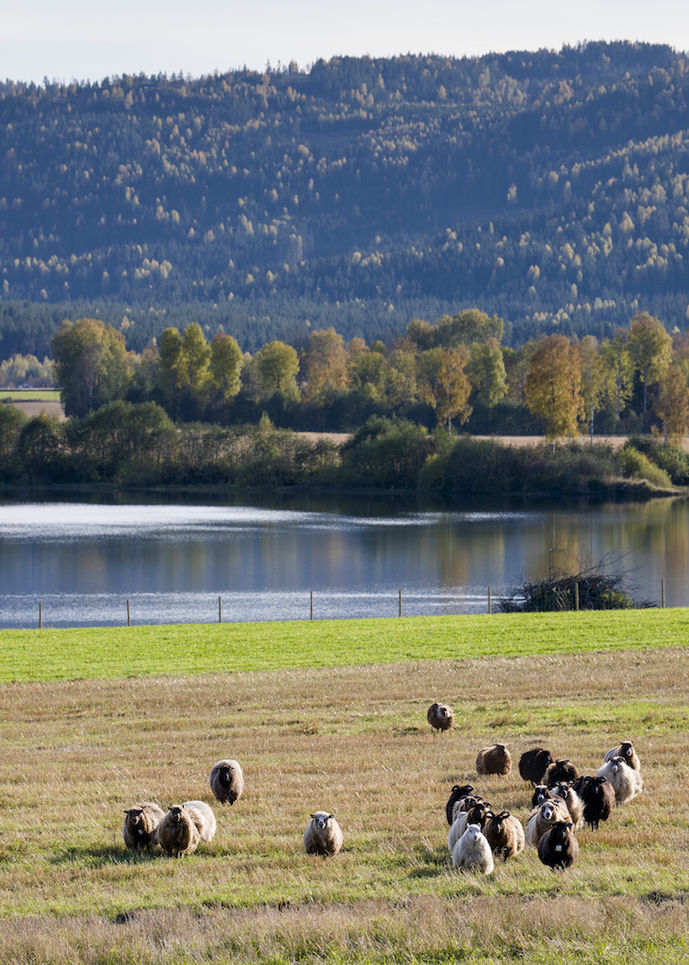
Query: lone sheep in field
x,y
227,781
140,823
495,759
323,834
562,770
575,805
540,794
477,813
540,819
626,751
458,792
598,797
625,780
472,852
440,717
505,834
534,763
558,848
177,833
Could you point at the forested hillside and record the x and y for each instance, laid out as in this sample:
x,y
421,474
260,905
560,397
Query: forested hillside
x,y
551,189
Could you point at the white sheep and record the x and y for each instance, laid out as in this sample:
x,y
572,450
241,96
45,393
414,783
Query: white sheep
x,y
625,781
472,852
474,813
323,834
203,817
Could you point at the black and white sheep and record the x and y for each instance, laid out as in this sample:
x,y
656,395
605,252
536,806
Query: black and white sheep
x,y
472,852
540,794
505,834
540,819
495,759
227,781
140,824
440,717
558,848
534,763
625,750
598,797
323,834
575,805
458,792
625,780
560,770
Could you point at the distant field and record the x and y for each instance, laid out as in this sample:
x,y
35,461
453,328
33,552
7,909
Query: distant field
x,y
144,651
320,731
30,395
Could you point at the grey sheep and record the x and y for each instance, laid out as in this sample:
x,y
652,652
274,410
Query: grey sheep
x,y
140,824
323,834
227,781
440,717
495,759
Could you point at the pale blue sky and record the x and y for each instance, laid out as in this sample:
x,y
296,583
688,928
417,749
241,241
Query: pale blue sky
x,y
91,39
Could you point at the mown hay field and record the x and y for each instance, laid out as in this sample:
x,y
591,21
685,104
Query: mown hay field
x,y
352,739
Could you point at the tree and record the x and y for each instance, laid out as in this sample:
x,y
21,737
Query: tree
x,y
196,355
324,366
92,365
552,389
487,371
592,379
225,367
672,406
169,374
618,368
444,384
649,348
276,366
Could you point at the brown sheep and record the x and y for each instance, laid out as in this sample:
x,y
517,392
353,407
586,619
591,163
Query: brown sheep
x,y
227,781
495,759
140,823
540,819
561,770
505,834
177,833
440,717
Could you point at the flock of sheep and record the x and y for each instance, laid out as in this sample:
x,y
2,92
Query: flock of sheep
x,y
184,826
562,802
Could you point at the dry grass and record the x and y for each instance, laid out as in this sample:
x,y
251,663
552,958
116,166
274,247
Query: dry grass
x,y
354,740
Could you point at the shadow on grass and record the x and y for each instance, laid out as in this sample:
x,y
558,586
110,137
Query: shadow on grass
x,y
432,864
99,856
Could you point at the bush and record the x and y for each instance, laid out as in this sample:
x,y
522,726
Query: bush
x,y
636,465
675,462
595,592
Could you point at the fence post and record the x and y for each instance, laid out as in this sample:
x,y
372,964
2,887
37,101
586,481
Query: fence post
x,y
219,609
129,616
490,598
399,604
311,605
40,614
576,594
662,592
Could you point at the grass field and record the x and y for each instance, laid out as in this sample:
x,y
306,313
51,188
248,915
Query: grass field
x,y
332,715
31,395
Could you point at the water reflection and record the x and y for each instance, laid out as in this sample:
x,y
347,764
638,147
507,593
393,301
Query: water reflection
x,y
84,560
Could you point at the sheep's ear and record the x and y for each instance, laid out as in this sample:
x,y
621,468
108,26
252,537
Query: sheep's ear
x,y
313,815
503,815
330,816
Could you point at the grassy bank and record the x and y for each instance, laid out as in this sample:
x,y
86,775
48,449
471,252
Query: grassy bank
x,y
144,651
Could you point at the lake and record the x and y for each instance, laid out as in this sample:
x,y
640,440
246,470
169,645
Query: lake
x,y
84,560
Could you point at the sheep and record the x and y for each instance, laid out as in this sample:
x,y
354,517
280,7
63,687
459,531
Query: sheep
x,y
456,794
495,759
505,834
177,832
227,781
472,852
626,751
203,817
440,717
540,794
323,834
558,848
534,763
540,819
625,780
598,797
476,813
575,805
561,770
140,823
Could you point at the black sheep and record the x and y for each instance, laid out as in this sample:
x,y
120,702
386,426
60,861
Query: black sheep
x,y
534,763
558,848
598,798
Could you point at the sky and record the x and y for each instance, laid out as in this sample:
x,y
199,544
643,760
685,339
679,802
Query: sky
x,y
91,39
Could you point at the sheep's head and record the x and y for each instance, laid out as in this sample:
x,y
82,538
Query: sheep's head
x,y
472,831
626,749
540,794
321,818
549,811
133,814
176,812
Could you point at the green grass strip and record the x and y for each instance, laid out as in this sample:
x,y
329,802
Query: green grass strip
x,y
141,651
31,395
